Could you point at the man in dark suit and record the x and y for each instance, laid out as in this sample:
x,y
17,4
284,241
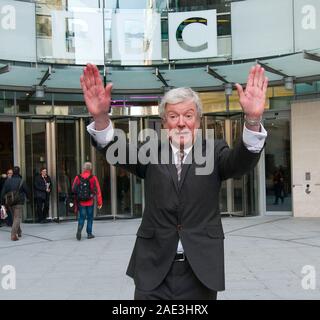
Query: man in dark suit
x,y
42,191
179,252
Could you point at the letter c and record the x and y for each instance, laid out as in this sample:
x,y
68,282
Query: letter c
x,y
180,40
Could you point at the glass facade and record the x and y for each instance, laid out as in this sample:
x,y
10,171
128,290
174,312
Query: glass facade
x,y
64,30
43,116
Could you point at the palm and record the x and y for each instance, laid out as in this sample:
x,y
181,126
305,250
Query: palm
x,y
253,99
97,98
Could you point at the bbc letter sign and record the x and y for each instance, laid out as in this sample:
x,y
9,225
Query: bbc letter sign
x,y
193,34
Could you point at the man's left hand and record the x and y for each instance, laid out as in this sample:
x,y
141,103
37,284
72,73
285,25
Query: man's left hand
x,y
253,98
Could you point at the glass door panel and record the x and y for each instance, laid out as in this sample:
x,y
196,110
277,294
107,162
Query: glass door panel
x,y
234,196
35,142
136,183
68,164
277,162
123,178
6,146
218,125
237,184
104,176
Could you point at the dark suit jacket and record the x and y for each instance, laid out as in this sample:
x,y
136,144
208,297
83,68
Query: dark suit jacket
x,y
12,184
188,210
40,187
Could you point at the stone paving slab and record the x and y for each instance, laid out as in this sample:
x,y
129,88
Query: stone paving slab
x,y
264,259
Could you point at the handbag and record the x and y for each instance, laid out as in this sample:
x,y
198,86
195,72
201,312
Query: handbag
x,y
70,205
11,198
3,213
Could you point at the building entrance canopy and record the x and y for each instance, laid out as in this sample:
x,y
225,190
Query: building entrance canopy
x,y
301,67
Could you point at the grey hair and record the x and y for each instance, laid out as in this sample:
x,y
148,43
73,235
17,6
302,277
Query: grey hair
x,y
178,95
87,166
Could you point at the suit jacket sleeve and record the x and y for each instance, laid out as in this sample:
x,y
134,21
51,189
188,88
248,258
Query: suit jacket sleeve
x,y
137,168
235,162
38,184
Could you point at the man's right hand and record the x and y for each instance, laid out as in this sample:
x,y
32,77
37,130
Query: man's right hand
x,y
96,97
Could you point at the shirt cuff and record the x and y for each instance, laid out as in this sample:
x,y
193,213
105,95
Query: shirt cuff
x,y
102,137
254,140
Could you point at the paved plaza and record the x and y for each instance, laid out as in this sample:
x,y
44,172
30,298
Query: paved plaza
x,y
265,259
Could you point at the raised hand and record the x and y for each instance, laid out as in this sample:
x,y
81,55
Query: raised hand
x,y
97,98
253,99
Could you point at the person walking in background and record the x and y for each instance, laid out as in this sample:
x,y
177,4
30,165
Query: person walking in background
x,y
85,187
3,179
123,187
16,184
278,185
42,190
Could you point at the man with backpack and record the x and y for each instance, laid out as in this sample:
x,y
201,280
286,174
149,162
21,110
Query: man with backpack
x,y
85,187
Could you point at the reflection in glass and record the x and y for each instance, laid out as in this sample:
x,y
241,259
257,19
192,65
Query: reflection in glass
x,y
123,192
278,165
224,25
123,177
65,35
51,4
35,158
238,188
136,36
6,146
104,177
44,28
218,125
67,165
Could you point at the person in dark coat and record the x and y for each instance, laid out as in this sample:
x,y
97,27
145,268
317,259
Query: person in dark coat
x,y
3,179
16,183
42,191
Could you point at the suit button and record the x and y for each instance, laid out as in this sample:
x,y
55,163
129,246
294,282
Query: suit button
x,y
179,227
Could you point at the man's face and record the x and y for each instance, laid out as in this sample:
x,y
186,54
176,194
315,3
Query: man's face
x,y
44,172
9,173
181,119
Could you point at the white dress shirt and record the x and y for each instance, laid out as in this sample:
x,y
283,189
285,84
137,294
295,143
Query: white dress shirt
x,y
253,140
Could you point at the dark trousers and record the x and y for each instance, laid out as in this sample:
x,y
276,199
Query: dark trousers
x,y
179,284
42,208
17,217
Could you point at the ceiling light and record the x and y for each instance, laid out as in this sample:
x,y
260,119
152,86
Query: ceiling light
x,y
288,83
228,89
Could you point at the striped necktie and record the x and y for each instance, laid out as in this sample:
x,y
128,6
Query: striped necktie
x,y
180,156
